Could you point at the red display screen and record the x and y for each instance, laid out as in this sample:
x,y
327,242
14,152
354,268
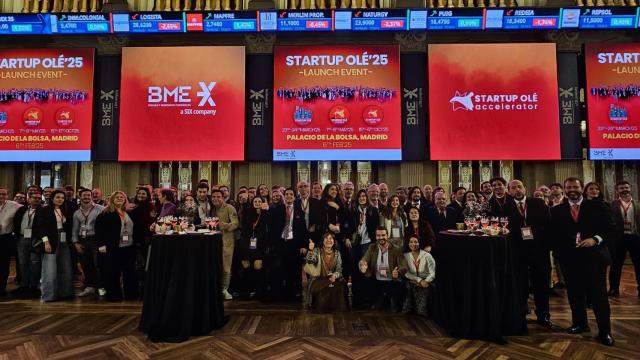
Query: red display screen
x,y
613,100
493,102
182,104
337,103
46,102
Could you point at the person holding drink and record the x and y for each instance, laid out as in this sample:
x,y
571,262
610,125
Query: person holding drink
x,y
327,286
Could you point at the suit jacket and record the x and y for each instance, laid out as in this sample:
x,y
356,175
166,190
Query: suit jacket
x,y
108,230
537,217
372,221
618,217
17,219
45,224
300,229
439,223
227,214
593,220
329,215
498,210
425,205
396,259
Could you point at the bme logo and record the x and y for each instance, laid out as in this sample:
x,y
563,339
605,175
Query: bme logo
x,y
181,94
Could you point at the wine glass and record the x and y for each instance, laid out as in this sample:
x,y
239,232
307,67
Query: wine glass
x,y
494,222
468,221
485,222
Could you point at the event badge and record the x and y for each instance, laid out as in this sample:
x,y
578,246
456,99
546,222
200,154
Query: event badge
x,y
383,270
83,231
253,243
527,233
126,240
63,237
27,233
395,232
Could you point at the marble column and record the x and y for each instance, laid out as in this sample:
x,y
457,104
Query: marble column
x,y
86,174
444,176
506,169
364,174
303,171
412,173
165,174
465,174
324,172
344,171
224,173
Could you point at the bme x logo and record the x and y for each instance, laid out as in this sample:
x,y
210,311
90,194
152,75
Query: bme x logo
x,y
205,94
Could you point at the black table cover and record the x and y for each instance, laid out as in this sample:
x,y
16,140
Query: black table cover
x,y
477,287
183,291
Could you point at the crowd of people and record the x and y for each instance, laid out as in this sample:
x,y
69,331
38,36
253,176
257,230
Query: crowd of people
x,y
377,247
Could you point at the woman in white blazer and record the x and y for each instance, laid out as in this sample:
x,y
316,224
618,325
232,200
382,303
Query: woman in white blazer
x,y
421,272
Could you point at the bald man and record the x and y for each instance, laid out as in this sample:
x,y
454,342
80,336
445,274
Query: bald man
x,y
529,220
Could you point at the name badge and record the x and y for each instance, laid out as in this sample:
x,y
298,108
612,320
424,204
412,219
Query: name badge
x,y
126,240
383,270
83,232
27,233
63,237
527,233
395,232
253,243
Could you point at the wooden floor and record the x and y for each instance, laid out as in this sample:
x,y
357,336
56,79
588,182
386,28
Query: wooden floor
x,y
91,329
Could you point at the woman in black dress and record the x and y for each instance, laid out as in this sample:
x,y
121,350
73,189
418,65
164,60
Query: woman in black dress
x,y
332,219
254,245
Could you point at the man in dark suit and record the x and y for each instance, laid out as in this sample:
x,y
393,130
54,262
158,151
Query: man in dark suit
x,y
418,201
306,210
442,217
286,257
457,198
580,228
500,198
626,215
529,220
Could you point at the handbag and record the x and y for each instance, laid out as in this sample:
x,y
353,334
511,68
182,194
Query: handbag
x,y
312,269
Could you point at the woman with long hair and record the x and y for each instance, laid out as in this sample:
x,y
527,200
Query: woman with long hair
x,y
52,233
254,246
421,271
421,229
189,210
327,290
142,216
365,220
115,231
167,203
394,219
332,218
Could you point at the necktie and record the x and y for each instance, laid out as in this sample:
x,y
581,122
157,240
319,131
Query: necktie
x,y
575,212
521,207
289,211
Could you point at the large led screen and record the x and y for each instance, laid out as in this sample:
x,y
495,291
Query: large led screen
x,y
613,101
493,102
337,103
182,103
46,99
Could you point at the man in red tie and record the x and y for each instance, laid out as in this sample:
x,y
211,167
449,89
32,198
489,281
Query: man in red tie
x,y
580,228
626,215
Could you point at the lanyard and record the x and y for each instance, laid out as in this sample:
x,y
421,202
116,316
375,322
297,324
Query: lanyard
x,y
416,263
124,219
256,222
59,215
625,209
304,206
86,216
30,214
